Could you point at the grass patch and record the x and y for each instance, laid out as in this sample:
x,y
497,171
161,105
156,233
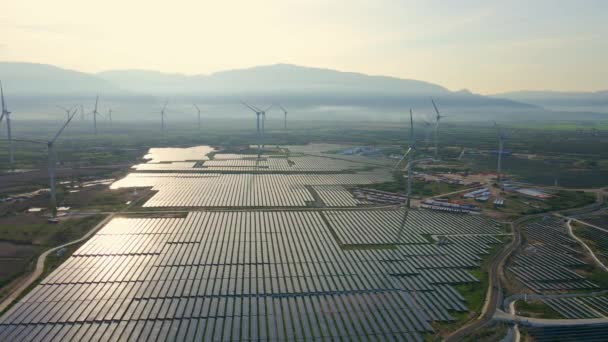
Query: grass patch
x,y
594,238
47,234
474,293
535,309
420,189
494,332
570,199
53,260
599,277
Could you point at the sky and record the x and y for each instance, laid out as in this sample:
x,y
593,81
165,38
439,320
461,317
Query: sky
x,y
485,46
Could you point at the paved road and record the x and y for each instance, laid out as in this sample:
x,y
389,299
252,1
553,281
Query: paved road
x,y
597,261
507,302
32,277
583,222
494,293
502,316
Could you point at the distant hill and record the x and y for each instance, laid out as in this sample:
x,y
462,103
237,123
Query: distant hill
x,y
264,79
42,79
560,100
288,83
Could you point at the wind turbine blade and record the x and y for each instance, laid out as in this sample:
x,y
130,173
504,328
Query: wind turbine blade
x,y
250,107
403,157
2,96
195,106
63,127
411,127
283,109
2,116
265,110
29,141
435,106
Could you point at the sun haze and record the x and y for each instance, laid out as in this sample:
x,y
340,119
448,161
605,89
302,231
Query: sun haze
x,y
485,46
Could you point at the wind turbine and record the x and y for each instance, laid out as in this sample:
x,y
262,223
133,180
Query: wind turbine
x,y
502,137
409,154
199,116
284,117
7,114
162,118
438,117
264,123
67,111
95,113
427,130
50,145
410,160
110,116
257,124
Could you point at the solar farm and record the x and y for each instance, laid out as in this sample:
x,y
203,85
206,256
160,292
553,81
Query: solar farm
x,y
270,275
548,262
259,256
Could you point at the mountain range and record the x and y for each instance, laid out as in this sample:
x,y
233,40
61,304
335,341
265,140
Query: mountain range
x,y
278,80
286,83
597,100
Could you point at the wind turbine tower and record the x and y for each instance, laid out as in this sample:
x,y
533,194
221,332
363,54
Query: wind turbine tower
x,y
264,123
257,125
50,145
438,117
162,118
410,153
199,117
7,114
427,129
51,151
95,113
284,117
502,137
110,116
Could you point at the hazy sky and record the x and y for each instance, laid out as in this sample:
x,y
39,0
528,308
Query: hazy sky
x,y
483,45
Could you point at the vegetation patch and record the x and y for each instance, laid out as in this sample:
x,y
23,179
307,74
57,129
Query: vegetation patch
x,y
535,309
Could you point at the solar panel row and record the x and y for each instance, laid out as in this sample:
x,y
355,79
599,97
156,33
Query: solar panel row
x,y
237,190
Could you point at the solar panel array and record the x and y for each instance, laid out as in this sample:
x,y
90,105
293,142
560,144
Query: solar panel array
x,y
171,154
252,275
572,333
365,227
580,307
245,163
238,190
337,196
548,260
281,164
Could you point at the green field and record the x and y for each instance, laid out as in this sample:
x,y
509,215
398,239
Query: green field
x,y
42,233
536,309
